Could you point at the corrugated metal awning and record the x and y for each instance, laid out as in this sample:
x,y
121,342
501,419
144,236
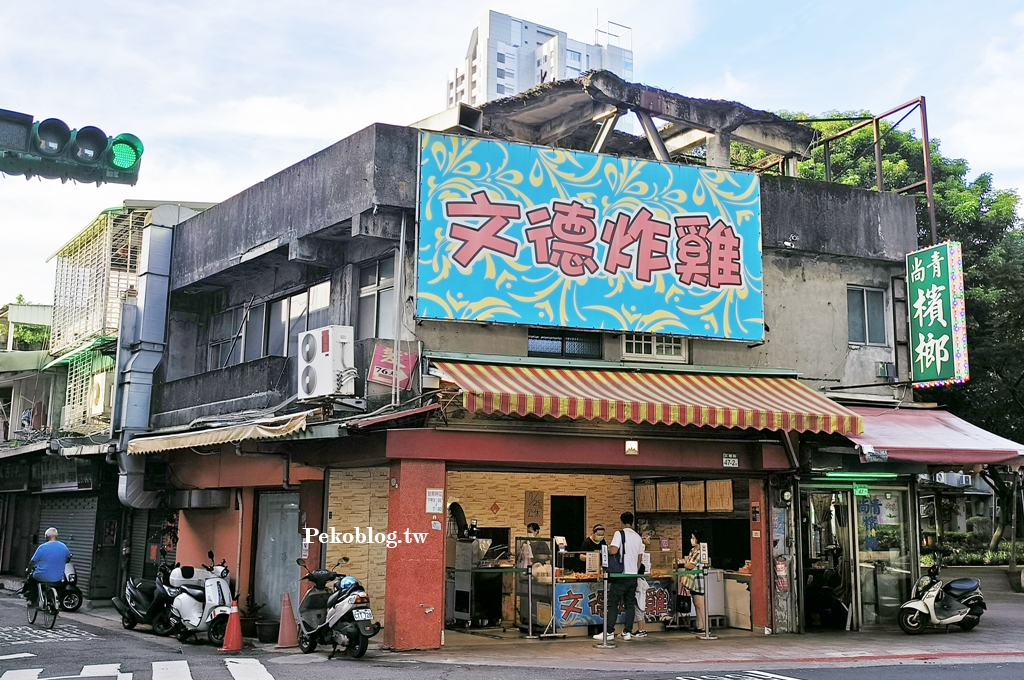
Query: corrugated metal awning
x,y
668,398
265,428
930,436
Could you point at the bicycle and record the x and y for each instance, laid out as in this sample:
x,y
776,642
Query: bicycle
x,y
47,604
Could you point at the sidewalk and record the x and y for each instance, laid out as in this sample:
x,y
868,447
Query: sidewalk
x,y
999,638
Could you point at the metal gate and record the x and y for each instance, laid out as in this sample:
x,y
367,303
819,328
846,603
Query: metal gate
x,y
75,520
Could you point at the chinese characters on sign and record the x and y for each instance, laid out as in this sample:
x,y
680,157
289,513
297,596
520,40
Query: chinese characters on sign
x,y
531,235
382,366
533,508
938,331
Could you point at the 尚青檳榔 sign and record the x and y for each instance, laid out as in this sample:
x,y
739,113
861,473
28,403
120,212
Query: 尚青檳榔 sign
x,y
938,325
513,233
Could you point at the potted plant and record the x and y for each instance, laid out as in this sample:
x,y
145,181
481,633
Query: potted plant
x,y
249,615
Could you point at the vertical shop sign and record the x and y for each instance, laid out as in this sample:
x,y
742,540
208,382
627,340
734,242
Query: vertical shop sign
x,y
382,366
435,501
938,326
534,507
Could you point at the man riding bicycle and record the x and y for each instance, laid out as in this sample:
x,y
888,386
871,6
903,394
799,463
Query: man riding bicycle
x,y
47,565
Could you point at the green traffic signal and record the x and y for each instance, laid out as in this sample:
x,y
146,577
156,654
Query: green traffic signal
x,y
125,151
53,150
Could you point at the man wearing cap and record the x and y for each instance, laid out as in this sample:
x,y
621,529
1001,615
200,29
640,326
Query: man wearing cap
x,y
47,564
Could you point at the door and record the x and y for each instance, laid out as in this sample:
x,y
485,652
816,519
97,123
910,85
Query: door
x,y
884,552
278,545
107,550
22,521
569,519
829,579
74,517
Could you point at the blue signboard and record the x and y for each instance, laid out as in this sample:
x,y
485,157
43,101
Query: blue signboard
x,y
512,233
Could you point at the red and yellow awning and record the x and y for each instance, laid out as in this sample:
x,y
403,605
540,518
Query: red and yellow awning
x,y
667,398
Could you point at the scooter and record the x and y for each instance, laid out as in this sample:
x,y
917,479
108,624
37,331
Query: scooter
x,y
342,618
68,594
203,607
959,602
149,603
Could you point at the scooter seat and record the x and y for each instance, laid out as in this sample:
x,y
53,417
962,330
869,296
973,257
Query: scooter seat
x,y
961,586
195,591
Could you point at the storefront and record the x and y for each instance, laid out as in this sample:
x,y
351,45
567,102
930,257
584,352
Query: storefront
x,y
568,449
860,520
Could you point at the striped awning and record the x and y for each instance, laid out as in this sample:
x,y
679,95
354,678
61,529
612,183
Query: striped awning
x,y
667,398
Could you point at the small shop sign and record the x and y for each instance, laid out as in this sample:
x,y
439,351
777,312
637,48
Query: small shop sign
x,y
860,490
53,473
533,510
382,366
938,319
14,475
435,501
730,460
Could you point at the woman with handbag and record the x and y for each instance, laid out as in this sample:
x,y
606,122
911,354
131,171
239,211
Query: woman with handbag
x,y
693,582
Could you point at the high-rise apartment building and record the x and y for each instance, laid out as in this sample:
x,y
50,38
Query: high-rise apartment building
x,y
507,55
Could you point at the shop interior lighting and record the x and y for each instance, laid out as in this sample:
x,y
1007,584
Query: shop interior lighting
x,y
840,474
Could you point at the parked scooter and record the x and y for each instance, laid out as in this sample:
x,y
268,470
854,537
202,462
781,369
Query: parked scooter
x,y
342,618
203,603
68,594
148,603
958,602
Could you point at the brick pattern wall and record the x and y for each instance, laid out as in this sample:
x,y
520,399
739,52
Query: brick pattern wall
x,y
358,497
496,499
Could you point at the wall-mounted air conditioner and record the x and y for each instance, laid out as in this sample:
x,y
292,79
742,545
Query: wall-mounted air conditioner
x,y
101,395
940,477
965,480
326,363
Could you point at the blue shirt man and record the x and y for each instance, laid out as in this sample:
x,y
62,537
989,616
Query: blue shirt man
x,y
50,558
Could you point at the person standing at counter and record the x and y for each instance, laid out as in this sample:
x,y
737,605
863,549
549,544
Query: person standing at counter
x,y
694,583
593,542
526,556
631,546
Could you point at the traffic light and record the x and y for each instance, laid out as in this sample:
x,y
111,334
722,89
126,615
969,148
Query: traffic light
x,y
51,149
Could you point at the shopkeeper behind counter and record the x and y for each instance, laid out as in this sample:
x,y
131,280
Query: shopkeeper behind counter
x,y
593,542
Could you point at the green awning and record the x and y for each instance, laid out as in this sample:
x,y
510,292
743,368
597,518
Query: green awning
x,y
96,343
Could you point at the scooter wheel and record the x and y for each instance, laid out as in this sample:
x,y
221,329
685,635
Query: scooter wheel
x,y
218,629
162,624
128,622
71,602
357,646
306,643
969,623
912,621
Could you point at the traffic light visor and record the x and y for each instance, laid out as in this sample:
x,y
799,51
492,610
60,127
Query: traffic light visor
x,y
51,136
89,144
125,151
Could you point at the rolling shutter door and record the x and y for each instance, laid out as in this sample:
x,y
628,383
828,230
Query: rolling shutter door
x,y
75,520
140,527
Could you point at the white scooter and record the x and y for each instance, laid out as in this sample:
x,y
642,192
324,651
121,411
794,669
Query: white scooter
x,y
342,618
959,602
203,601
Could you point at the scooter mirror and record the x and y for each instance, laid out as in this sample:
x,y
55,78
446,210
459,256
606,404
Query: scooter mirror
x,y
301,562
343,560
163,552
209,553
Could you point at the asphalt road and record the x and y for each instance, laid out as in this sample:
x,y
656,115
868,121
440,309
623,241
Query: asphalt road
x,y
76,648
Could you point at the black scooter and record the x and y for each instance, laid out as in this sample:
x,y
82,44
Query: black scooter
x,y
149,603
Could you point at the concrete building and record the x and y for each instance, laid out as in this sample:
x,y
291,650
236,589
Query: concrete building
x,y
507,56
716,400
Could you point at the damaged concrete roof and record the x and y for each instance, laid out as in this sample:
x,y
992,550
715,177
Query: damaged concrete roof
x,y
570,113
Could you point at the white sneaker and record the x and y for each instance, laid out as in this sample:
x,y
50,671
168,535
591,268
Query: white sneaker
x,y
626,636
602,637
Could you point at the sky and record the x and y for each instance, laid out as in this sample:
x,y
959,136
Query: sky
x,y
224,94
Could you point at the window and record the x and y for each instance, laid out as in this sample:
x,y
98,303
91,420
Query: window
x,y
570,344
509,74
377,300
501,89
866,310
654,347
501,57
501,73
225,339
573,56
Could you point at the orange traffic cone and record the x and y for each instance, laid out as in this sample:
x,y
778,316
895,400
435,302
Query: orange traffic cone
x,y
233,635
288,634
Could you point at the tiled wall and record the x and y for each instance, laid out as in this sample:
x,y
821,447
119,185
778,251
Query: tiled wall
x,y
359,498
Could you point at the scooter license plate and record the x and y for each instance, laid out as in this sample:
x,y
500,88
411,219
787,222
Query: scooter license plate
x,y
362,614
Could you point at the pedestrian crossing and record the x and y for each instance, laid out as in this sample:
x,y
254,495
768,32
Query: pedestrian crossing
x,y
238,669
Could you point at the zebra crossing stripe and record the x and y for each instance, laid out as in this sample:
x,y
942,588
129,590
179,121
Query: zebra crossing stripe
x,y
245,669
22,674
20,655
769,676
171,670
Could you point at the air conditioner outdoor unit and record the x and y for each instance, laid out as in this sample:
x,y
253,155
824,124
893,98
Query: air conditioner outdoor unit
x,y
940,477
327,362
101,395
966,480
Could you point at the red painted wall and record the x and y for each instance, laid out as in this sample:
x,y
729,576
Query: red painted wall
x,y
414,602
760,559
531,449
311,512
